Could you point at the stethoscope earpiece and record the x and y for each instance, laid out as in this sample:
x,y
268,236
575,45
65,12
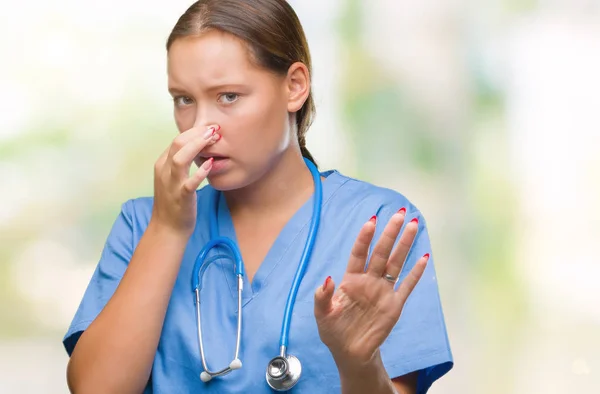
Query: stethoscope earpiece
x,y
205,376
235,364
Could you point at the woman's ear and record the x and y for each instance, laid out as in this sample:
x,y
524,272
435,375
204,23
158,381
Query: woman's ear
x,y
298,86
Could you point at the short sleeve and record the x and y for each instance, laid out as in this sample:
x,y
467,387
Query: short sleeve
x,y
419,341
114,259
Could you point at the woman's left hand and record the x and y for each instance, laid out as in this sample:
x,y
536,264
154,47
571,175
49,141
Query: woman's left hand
x,y
355,319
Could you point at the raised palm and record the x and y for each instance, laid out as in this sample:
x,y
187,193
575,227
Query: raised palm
x,y
355,319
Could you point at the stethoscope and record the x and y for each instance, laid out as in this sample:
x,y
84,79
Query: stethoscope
x,y
283,371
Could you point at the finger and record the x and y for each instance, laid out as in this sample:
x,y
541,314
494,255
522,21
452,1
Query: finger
x,y
182,160
411,280
197,131
191,184
323,296
160,162
383,248
360,250
398,257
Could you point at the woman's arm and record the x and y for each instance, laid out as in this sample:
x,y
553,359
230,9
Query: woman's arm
x,y
406,384
115,353
372,378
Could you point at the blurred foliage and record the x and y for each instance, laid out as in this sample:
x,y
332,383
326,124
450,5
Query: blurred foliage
x,y
142,131
381,117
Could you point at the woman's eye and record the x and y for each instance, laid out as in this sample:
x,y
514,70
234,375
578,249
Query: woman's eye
x,y
182,101
228,98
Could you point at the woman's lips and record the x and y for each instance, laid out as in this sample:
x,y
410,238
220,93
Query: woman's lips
x,y
220,164
215,158
201,159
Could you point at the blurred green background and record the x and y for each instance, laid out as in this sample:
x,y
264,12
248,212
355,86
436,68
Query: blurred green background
x,y
484,114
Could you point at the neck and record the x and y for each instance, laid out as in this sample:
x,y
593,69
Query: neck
x,y
287,185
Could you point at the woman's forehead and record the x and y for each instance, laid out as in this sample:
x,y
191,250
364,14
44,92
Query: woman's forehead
x,y
212,57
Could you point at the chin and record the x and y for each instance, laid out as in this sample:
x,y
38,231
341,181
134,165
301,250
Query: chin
x,y
228,181
228,175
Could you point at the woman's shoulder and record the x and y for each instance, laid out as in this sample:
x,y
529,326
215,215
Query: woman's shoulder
x,y
138,210
361,192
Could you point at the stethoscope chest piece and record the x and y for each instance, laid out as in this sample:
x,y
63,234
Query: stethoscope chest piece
x,y
283,372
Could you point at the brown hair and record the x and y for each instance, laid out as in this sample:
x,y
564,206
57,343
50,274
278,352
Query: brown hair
x,y
272,31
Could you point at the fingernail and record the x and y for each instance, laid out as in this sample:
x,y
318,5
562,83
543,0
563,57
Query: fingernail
x,y
326,282
217,137
416,220
209,133
402,211
426,255
218,127
208,164
373,219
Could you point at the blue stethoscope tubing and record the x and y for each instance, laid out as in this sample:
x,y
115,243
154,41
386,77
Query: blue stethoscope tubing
x,y
216,240
308,248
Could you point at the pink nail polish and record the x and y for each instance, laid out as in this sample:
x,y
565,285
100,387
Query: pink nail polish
x,y
373,219
402,211
326,282
416,220
208,164
209,133
426,255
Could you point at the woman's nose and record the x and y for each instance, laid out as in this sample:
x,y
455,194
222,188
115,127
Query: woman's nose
x,y
205,117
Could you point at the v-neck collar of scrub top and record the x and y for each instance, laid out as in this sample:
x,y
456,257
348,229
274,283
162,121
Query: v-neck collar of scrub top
x,y
288,235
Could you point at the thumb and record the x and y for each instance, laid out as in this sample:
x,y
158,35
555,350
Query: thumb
x,y
323,297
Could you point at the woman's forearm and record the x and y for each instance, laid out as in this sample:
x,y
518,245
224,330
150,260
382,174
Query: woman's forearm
x,y
116,352
369,378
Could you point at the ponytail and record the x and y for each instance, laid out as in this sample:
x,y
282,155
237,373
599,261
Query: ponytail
x,y
304,119
308,155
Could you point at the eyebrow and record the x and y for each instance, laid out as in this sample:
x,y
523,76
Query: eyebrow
x,y
222,87
175,91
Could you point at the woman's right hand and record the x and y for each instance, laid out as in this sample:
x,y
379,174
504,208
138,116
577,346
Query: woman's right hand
x,y
174,188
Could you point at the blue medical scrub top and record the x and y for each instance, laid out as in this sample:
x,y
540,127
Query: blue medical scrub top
x,y
418,342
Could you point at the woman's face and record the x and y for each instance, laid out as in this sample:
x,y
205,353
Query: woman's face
x,y
213,82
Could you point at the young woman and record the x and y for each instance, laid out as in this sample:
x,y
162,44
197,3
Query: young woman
x,y
239,74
